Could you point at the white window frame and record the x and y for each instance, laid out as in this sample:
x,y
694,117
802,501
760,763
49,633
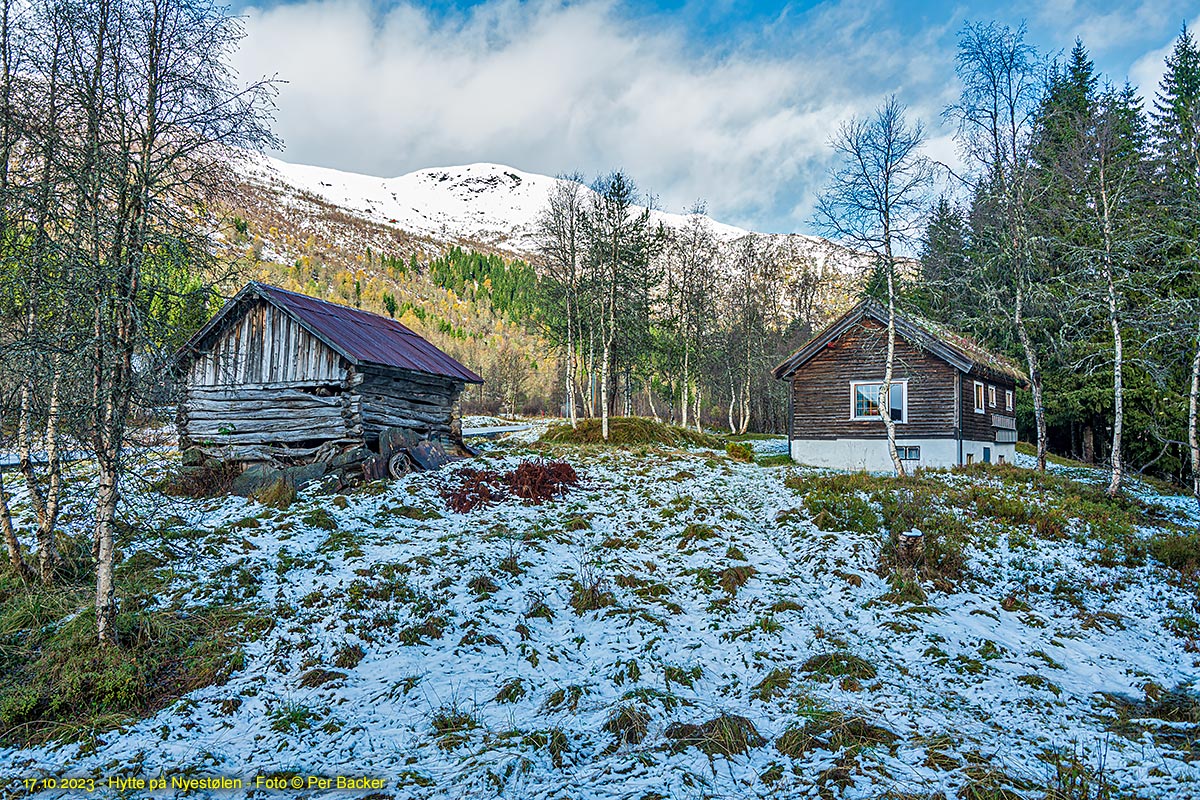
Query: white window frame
x,y
977,393
901,382
991,396
1009,400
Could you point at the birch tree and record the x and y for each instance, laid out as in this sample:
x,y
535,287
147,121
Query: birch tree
x,y
1001,76
561,243
1176,132
875,201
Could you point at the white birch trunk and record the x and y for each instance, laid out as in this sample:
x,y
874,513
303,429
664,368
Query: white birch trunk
x,y
1194,419
885,391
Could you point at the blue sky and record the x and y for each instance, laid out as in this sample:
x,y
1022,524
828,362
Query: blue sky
x,y
730,102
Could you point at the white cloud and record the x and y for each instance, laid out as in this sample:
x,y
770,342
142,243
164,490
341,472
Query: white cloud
x,y
552,87
1147,72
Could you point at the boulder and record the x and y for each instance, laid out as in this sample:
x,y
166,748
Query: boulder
x,y
305,473
192,457
255,479
349,458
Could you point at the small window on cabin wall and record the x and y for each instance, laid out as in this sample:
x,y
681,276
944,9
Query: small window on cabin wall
x,y
992,396
970,458
1000,459
1008,399
978,398
864,400
909,453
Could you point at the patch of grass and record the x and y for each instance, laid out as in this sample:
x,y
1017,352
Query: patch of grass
x,y
684,676
695,532
482,586
836,511
833,732
629,431
1179,551
904,588
628,725
213,480
779,460
319,677
433,626
554,741
590,592
452,726
838,664
725,735
277,494
734,578
774,684
57,684
536,606
292,718
564,698
511,691
319,518
739,452
348,656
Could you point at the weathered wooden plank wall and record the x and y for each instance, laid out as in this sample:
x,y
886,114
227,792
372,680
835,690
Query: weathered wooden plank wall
x,y
821,389
264,345
979,427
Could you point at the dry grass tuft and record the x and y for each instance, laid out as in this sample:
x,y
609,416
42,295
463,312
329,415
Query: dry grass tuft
x,y
726,735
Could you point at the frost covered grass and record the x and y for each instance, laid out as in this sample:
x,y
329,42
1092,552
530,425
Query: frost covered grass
x,y
679,625
624,431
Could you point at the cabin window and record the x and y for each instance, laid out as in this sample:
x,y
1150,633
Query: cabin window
x,y
1000,459
979,409
970,458
864,400
909,453
991,396
1008,399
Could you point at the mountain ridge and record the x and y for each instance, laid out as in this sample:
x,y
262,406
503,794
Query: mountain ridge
x,y
486,203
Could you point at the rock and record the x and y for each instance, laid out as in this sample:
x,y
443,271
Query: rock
x,y
211,463
255,479
192,457
348,458
305,473
330,483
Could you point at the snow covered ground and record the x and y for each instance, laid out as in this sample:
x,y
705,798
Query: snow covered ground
x,y
441,651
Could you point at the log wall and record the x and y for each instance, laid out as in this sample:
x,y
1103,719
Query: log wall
x,y
427,404
268,422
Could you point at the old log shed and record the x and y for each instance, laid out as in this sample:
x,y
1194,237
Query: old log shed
x,y
278,376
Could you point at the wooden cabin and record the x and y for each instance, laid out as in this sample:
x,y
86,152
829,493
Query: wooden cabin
x,y
953,402
281,377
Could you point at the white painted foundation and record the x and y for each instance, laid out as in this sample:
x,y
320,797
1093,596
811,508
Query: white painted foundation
x,y
872,454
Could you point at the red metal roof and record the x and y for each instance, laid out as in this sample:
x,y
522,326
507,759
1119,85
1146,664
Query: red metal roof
x,y
359,336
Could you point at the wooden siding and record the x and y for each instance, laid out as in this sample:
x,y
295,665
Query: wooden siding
x,y
253,423
266,346
427,404
982,427
821,388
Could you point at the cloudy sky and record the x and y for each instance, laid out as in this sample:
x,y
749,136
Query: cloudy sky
x,y
728,101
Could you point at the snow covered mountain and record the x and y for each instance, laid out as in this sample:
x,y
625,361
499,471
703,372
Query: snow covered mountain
x,y
490,204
